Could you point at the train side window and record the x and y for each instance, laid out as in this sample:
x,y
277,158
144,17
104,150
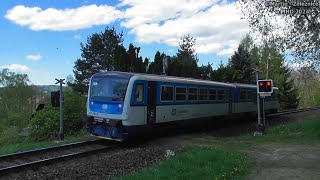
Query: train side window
x,y
220,94
139,93
181,93
212,94
166,93
192,93
246,95
243,95
203,94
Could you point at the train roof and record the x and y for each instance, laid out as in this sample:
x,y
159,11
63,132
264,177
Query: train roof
x,y
162,78
172,79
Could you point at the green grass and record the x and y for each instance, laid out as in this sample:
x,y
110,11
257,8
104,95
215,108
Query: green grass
x,y
298,132
27,145
199,163
223,163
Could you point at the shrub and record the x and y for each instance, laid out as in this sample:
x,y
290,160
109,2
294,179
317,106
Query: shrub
x,y
10,136
45,124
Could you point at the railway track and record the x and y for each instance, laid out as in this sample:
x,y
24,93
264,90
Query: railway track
x,y
293,111
35,158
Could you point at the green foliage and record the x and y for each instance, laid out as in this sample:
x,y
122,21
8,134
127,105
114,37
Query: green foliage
x,y
97,54
105,51
241,63
74,107
300,132
16,99
205,72
155,67
184,63
288,93
10,136
199,163
45,124
308,84
297,33
222,74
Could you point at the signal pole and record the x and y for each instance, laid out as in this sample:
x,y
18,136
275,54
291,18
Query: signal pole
x,y
259,125
61,135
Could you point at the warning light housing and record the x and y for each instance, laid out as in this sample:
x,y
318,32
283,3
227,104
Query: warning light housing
x,y
265,86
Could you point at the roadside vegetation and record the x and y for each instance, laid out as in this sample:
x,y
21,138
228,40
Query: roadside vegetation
x,y
199,163
24,145
18,100
298,132
221,158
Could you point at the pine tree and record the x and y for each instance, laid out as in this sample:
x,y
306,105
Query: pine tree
x,y
184,63
241,63
288,95
156,66
98,54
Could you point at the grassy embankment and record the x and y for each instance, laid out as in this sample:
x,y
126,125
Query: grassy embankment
x,y
8,148
224,162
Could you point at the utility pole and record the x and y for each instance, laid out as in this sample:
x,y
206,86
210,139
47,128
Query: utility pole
x,y
61,135
165,65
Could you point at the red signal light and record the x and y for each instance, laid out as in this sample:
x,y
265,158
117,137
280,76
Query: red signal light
x,y
268,83
260,84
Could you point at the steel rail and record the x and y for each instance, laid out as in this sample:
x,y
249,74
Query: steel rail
x,y
47,161
293,111
53,148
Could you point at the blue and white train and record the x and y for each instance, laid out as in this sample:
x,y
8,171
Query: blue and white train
x,y
121,103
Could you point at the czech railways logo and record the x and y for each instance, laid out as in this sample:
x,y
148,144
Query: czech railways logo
x,y
104,106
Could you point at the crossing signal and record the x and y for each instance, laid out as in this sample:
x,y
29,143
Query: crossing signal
x,y
265,86
55,99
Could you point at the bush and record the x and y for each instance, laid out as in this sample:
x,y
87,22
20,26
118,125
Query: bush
x,y
10,136
45,124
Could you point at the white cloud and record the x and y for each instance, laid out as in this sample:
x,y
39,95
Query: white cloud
x,y
16,67
62,19
215,24
33,57
217,27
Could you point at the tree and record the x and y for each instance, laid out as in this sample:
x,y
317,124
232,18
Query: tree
x,y
98,54
307,81
286,25
288,93
222,74
156,66
135,62
241,63
16,99
205,72
184,63
273,64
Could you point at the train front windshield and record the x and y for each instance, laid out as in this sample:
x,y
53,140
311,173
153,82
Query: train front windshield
x,y
108,88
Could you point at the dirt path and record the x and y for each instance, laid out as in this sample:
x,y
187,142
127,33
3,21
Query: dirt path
x,y
286,161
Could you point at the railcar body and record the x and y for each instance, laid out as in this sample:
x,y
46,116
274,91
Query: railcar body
x,y
120,104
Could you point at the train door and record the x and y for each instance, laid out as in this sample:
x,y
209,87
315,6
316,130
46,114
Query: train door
x,y
152,99
230,99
